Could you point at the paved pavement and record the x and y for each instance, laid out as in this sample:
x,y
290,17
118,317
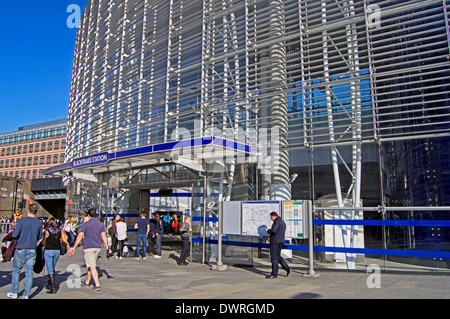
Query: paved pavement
x,y
164,279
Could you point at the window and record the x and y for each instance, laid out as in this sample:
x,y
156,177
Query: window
x,y
36,147
35,161
50,146
43,144
42,159
30,159
49,160
25,149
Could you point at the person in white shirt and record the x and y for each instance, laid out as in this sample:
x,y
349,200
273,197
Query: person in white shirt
x,y
121,235
70,227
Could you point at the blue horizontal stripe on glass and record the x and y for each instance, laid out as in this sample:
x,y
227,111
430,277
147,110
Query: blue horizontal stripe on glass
x,y
208,219
173,195
423,223
366,251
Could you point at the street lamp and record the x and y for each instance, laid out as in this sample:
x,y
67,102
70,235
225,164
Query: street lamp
x,y
15,194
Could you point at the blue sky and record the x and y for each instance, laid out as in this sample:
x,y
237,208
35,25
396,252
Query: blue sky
x,y
36,54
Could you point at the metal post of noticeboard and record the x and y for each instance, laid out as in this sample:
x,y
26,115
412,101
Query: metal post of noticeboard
x,y
220,266
311,273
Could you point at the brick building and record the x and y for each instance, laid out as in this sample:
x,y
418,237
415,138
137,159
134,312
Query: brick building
x,y
29,150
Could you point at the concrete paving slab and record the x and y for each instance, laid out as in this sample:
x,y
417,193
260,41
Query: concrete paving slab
x,y
163,279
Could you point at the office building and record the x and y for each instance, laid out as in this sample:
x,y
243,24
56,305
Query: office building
x,y
350,97
27,151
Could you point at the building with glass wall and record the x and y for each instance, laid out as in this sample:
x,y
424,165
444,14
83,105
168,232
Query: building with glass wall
x,y
345,103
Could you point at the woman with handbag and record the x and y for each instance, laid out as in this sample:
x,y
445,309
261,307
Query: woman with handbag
x,y
54,239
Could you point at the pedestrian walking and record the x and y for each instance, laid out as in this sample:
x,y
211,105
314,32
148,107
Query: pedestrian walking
x,y
53,238
159,234
277,235
121,228
28,232
185,230
70,227
94,233
152,234
166,223
143,228
113,233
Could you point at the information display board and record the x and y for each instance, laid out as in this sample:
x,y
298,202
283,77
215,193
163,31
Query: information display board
x,y
256,217
231,218
294,218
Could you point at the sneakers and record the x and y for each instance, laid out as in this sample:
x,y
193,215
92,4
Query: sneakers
x,y
96,288
14,296
156,256
11,295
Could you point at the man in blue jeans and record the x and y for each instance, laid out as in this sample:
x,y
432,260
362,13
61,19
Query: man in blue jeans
x,y
159,234
143,227
28,232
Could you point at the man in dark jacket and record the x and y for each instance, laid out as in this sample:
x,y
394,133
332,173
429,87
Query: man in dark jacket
x,y
185,230
159,231
277,234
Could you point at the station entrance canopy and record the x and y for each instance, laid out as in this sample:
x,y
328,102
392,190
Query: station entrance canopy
x,y
197,154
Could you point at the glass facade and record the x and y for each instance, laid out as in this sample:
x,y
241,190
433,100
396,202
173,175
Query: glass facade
x,y
352,96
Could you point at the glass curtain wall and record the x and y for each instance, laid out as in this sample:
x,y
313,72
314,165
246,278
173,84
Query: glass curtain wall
x,y
353,96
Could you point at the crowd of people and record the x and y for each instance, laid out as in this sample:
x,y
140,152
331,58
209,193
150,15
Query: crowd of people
x,y
8,223
54,238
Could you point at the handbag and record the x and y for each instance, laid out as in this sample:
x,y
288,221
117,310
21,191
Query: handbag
x,y
63,249
9,253
40,261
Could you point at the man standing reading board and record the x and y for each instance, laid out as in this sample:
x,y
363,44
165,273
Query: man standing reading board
x,y
94,233
277,234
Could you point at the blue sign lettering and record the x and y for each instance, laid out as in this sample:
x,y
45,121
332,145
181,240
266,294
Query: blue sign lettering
x,y
90,160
